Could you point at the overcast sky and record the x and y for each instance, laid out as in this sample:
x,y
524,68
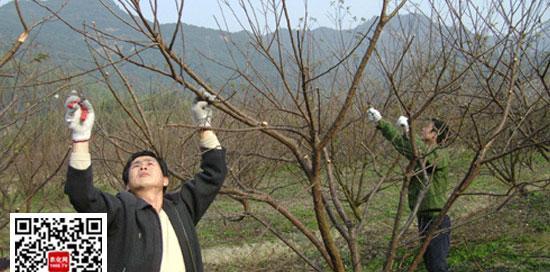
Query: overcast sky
x,y
205,12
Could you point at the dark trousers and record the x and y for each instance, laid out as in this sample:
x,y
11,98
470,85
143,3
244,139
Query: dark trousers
x,y
435,257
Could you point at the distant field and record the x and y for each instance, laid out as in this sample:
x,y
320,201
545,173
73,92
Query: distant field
x,y
254,247
516,239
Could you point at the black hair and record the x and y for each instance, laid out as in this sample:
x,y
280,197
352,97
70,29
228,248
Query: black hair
x,y
161,162
442,130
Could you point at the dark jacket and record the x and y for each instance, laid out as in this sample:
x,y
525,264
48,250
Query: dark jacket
x,y
437,162
134,239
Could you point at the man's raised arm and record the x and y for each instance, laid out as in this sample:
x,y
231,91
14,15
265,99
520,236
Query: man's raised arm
x,y
84,197
199,193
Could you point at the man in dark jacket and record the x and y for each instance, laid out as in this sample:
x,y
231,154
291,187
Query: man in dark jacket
x,y
4,264
148,229
430,176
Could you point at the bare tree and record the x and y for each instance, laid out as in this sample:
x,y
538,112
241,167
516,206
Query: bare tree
x,y
28,161
502,91
292,91
289,99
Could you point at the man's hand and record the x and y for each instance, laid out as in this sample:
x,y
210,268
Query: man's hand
x,y
202,116
80,117
201,109
374,115
403,123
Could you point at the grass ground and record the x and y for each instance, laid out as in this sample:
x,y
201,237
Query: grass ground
x,y
516,238
502,241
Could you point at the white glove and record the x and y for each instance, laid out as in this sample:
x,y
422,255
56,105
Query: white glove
x,y
374,115
201,109
79,117
403,123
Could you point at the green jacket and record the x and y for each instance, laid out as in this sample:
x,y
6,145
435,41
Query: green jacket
x,y
437,162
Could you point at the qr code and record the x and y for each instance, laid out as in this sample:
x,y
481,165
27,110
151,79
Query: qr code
x,y
58,242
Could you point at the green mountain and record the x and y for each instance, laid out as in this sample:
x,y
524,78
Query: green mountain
x,y
199,45
68,47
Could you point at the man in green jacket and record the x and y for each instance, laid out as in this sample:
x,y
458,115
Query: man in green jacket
x,y
430,180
